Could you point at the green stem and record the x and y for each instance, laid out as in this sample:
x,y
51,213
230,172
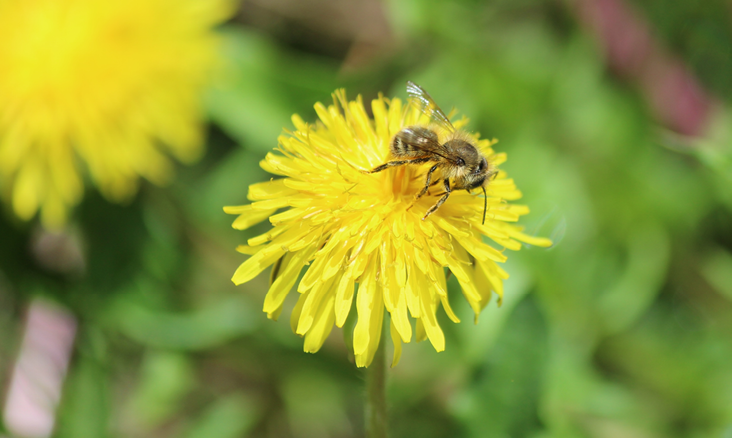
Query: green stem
x,y
376,394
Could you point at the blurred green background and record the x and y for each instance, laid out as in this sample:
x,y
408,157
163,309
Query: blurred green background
x,y
622,329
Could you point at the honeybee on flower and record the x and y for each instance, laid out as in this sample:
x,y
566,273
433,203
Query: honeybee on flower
x,y
361,234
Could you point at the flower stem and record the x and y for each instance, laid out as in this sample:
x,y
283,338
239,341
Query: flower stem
x,y
376,394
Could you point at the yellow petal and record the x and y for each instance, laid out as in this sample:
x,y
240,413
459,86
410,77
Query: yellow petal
x,y
257,263
343,300
397,344
415,282
480,250
370,307
321,292
268,190
247,216
531,240
400,319
321,328
297,311
283,284
365,297
420,334
429,319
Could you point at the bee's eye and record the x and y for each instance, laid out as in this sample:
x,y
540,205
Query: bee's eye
x,y
481,166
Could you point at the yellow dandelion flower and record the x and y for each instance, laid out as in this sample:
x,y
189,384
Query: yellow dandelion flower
x,y
101,88
352,228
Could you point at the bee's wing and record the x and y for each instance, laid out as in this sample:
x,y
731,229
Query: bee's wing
x,y
427,106
417,138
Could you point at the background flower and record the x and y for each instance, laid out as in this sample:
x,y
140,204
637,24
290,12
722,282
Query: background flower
x,y
104,89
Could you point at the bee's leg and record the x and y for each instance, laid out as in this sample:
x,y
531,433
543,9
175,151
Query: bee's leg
x,y
441,201
434,183
427,182
398,163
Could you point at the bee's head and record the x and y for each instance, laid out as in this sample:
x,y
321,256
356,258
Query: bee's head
x,y
482,167
473,181
476,175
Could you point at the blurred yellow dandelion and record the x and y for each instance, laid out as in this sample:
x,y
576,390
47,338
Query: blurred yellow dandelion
x,y
99,88
352,228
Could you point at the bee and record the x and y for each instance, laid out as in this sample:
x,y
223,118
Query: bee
x,y
457,158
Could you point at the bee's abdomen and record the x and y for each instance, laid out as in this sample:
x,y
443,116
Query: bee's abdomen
x,y
412,142
402,149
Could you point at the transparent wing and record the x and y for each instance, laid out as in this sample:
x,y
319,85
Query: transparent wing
x,y
415,141
427,106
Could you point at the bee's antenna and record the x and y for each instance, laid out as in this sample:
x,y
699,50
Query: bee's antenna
x,y
485,204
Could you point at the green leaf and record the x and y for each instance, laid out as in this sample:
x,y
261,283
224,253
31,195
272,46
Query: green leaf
x,y
85,409
228,417
205,328
165,379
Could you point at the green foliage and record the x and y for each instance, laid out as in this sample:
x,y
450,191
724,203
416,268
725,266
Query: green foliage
x,y
621,329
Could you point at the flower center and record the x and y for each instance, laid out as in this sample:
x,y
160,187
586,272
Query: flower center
x,y
408,180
